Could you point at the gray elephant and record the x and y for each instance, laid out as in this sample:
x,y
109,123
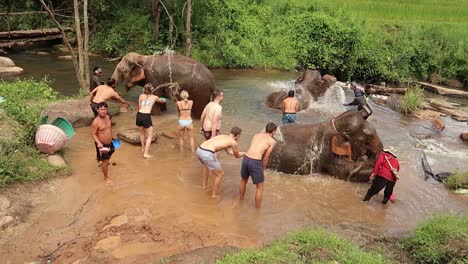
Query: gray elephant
x,y
191,75
346,147
310,85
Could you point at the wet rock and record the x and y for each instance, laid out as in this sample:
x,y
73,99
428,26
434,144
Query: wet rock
x,y
10,71
169,134
56,160
117,221
65,57
464,136
431,116
132,135
453,83
6,221
76,111
207,255
6,62
107,243
4,203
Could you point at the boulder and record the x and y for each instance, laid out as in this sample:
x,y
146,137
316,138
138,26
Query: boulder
x,y
56,160
132,135
6,221
4,203
10,71
6,62
77,111
464,136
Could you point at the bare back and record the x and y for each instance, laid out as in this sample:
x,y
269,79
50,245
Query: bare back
x,y
102,129
261,144
146,102
185,109
220,142
104,93
213,111
290,105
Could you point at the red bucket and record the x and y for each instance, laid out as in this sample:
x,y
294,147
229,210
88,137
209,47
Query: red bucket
x,y
50,139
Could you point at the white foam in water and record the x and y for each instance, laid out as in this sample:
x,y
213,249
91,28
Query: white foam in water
x,y
437,147
332,101
281,85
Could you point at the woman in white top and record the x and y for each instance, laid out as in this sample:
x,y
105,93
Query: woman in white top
x,y
143,117
185,120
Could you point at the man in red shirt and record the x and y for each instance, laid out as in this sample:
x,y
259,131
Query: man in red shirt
x,y
382,175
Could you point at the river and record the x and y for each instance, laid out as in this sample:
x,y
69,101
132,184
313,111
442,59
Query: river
x,y
166,189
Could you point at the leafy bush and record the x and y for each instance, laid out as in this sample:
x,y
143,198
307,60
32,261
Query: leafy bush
x,y
456,181
443,239
306,246
413,100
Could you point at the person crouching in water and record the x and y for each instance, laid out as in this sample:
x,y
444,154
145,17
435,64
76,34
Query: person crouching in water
x,y
382,175
256,160
143,117
185,120
206,154
360,100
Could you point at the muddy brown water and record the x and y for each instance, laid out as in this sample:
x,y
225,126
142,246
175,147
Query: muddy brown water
x,y
164,192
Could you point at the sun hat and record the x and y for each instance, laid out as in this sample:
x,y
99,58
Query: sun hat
x,y
390,149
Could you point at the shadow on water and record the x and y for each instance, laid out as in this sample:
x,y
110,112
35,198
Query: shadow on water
x,y
169,184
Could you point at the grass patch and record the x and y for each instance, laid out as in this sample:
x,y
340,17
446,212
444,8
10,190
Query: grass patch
x,y
457,181
306,246
413,100
442,239
24,102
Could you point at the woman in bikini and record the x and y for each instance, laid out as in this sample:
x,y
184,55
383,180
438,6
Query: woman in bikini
x,y
185,120
143,117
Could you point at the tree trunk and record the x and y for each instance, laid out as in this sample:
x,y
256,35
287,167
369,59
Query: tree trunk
x,y
155,13
188,34
79,38
86,41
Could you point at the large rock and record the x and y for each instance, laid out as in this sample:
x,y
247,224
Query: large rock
x,y
56,160
76,111
132,135
464,136
8,68
6,62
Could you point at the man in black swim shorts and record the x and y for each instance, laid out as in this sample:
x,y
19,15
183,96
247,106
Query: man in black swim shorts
x,y
255,161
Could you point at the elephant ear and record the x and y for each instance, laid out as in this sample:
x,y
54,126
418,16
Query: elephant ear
x,y
136,72
341,147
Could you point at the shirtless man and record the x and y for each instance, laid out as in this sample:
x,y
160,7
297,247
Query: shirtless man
x,y
102,135
102,93
290,107
211,116
256,160
206,154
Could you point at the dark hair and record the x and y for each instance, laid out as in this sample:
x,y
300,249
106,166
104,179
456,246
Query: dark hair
x,y
217,93
96,68
291,93
148,88
236,131
102,104
270,127
111,82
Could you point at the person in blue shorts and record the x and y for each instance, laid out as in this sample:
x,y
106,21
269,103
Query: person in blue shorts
x,y
256,160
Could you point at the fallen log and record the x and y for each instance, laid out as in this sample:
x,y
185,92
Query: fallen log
x,y
28,42
455,114
375,89
443,91
21,34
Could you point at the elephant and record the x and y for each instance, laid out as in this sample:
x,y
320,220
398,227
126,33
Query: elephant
x,y
311,85
189,74
346,147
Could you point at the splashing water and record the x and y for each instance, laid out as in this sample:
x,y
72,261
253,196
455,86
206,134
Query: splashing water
x,y
169,53
281,85
332,101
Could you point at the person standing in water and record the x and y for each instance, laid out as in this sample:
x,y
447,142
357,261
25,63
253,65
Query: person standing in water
x,y
102,135
256,160
102,93
143,117
206,154
290,107
211,116
185,120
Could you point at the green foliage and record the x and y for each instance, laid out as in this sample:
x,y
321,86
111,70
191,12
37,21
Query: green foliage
x,y
413,100
305,246
443,239
456,181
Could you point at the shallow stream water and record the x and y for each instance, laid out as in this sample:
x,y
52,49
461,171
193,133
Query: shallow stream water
x,y
168,186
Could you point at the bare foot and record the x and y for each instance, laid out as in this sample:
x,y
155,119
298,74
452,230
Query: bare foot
x,y
214,196
143,150
204,187
147,156
109,181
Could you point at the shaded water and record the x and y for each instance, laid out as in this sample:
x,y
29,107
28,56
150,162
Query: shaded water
x,y
169,184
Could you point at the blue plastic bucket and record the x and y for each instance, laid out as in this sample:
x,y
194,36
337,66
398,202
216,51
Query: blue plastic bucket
x,y
116,142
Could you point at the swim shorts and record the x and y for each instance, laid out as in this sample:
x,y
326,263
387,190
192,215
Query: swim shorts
x,y
288,118
254,168
208,158
185,123
104,156
207,134
144,120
